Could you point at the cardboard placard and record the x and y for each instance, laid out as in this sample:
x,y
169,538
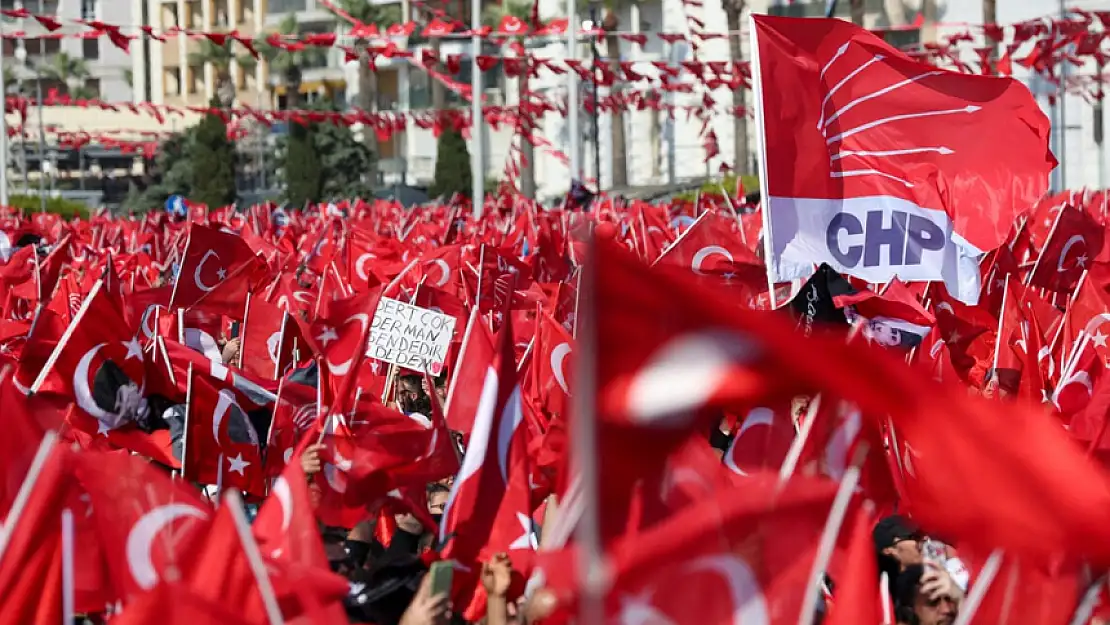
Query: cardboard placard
x,y
410,336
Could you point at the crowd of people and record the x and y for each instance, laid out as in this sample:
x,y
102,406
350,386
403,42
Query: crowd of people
x,y
242,373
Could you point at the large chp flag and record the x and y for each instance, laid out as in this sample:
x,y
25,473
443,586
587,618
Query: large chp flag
x,y
883,166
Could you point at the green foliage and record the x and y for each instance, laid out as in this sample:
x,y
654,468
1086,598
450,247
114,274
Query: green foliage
x,y
212,180
68,209
221,57
367,12
452,166
289,63
349,164
304,175
712,188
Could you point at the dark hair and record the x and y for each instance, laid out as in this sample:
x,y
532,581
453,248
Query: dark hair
x,y
903,593
436,487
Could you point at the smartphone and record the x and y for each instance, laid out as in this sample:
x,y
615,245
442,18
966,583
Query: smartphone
x,y
234,329
442,573
934,551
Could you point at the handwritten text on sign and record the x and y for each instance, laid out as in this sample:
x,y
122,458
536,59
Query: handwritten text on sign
x,y
409,336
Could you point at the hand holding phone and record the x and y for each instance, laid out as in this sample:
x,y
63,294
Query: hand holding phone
x,y
442,574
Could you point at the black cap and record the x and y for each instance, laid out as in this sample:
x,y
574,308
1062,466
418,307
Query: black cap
x,y
893,529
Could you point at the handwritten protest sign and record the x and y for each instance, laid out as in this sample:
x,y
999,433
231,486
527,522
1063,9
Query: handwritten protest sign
x,y
410,336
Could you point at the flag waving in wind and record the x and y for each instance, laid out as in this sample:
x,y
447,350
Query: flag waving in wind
x,y
884,166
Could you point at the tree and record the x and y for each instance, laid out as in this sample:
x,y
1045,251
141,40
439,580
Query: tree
x,y
213,162
855,8
522,10
380,15
345,159
303,172
70,73
452,173
733,14
611,24
289,65
990,16
221,58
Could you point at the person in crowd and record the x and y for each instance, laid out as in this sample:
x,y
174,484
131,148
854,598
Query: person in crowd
x,y
897,544
412,397
924,594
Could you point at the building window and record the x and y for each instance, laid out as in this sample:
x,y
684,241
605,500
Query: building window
x,y
169,15
172,80
90,9
222,17
194,15
286,6
246,12
92,85
90,48
193,78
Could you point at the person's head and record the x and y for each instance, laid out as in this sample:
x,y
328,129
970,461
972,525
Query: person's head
x,y
884,334
437,499
912,607
897,543
411,395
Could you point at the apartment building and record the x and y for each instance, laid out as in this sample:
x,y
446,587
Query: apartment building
x,y
176,77
109,69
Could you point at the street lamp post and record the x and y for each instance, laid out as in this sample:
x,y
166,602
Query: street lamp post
x,y
594,80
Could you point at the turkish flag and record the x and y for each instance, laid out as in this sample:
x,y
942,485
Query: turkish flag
x,y
882,165
221,444
1075,242
211,256
145,522
31,567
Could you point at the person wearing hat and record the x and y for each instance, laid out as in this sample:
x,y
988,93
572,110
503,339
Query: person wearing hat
x,y
897,544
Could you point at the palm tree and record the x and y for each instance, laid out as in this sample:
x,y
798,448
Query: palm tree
x,y
381,16
492,16
611,25
733,12
990,16
289,64
856,9
221,58
68,72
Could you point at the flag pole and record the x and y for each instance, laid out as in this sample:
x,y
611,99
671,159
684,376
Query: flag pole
x,y
979,589
584,461
234,504
760,131
68,590
24,492
825,547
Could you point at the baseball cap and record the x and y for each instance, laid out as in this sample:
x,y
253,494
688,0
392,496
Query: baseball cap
x,y
892,529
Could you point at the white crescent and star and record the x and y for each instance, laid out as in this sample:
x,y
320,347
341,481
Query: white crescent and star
x,y
284,496
705,358
756,416
1080,261
749,606
82,394
360,266
148,316
706,252
445,272
200,267
558,355
143,533
344,367
224,402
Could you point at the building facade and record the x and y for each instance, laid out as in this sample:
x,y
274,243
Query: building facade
x,y
178,75
109,69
